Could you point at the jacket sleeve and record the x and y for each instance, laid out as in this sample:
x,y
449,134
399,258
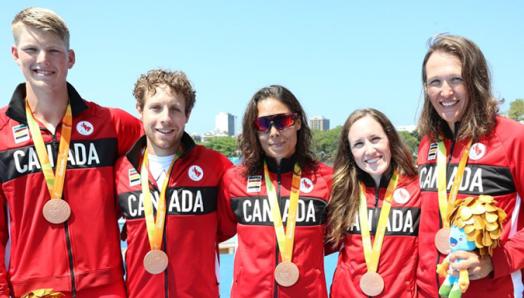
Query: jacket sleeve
x,y
227,223
128,129
4,236
510,256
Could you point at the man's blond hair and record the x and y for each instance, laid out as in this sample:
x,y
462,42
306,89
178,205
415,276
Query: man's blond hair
x,y
41,19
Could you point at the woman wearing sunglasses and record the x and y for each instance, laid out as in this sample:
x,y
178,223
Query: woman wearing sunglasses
x,y
275,202
374,210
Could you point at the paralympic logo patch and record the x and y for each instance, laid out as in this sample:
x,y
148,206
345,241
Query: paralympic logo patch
x,y
477,151
195,173
306,185
84,128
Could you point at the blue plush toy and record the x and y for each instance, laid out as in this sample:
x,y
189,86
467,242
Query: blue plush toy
x,y
453,285
476,225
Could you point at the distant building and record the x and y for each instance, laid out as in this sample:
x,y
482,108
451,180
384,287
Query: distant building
x,y
409,128
225,124
319,123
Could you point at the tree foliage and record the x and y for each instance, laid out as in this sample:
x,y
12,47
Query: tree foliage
x,y
411,139
225,145
325,144
516,109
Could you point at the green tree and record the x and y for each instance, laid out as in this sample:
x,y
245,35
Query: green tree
x,y
411,140
325,144
516,109
225,145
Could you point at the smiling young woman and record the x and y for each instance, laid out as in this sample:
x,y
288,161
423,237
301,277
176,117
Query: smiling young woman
x,y
375,192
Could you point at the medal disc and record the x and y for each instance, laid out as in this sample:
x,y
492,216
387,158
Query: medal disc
x,y
155,261
442,241
56,211
371,284
286,274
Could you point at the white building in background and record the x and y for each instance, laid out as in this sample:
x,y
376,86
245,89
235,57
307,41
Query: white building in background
x,y
409,128
319,123
225,124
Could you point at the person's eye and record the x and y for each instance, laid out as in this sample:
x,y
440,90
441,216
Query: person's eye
x,y
30,50
375,140
435,83
456,81
357,144
176,110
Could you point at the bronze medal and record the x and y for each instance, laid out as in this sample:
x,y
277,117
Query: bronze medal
x,y
56,211
286,274
371,284
442,241
155,261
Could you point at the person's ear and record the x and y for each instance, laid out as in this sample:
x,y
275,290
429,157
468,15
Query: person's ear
x,y
14,54
71,58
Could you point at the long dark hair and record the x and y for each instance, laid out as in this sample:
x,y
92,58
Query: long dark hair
x,y
252,153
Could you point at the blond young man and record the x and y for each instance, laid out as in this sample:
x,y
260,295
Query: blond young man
x,y
57,153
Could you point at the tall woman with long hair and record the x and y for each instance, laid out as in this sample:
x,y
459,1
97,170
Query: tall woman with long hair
x,y
480,153
374,210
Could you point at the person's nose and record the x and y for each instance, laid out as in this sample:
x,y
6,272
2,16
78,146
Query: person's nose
x,y
369,148
41,57
447,89
165,116
273,131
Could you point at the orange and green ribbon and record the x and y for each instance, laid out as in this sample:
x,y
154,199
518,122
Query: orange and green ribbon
x,y
285,240
443,200
372,253
54,181
155,228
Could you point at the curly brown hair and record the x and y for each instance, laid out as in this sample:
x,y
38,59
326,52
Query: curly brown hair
x,y
345,193
176,80
252,152
482,107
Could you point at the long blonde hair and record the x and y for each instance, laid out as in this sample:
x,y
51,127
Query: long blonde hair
x,y
345,192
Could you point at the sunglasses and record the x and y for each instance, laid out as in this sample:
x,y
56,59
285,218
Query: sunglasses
x,y
279,121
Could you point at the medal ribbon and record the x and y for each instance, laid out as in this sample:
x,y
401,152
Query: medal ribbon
x,y
155,229
372,254
54,181
443,200
285,240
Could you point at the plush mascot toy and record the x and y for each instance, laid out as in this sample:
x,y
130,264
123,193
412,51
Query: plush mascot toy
x,y
476,225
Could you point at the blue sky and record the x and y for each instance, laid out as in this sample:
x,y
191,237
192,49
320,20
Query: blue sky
x,y
335,56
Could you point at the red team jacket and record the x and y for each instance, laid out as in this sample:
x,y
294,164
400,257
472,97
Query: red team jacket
x,y
398,258
245,210
190,234
494,168
84,252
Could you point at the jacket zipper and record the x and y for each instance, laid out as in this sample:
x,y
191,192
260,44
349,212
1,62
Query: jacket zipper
x,y
67,234
279,201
